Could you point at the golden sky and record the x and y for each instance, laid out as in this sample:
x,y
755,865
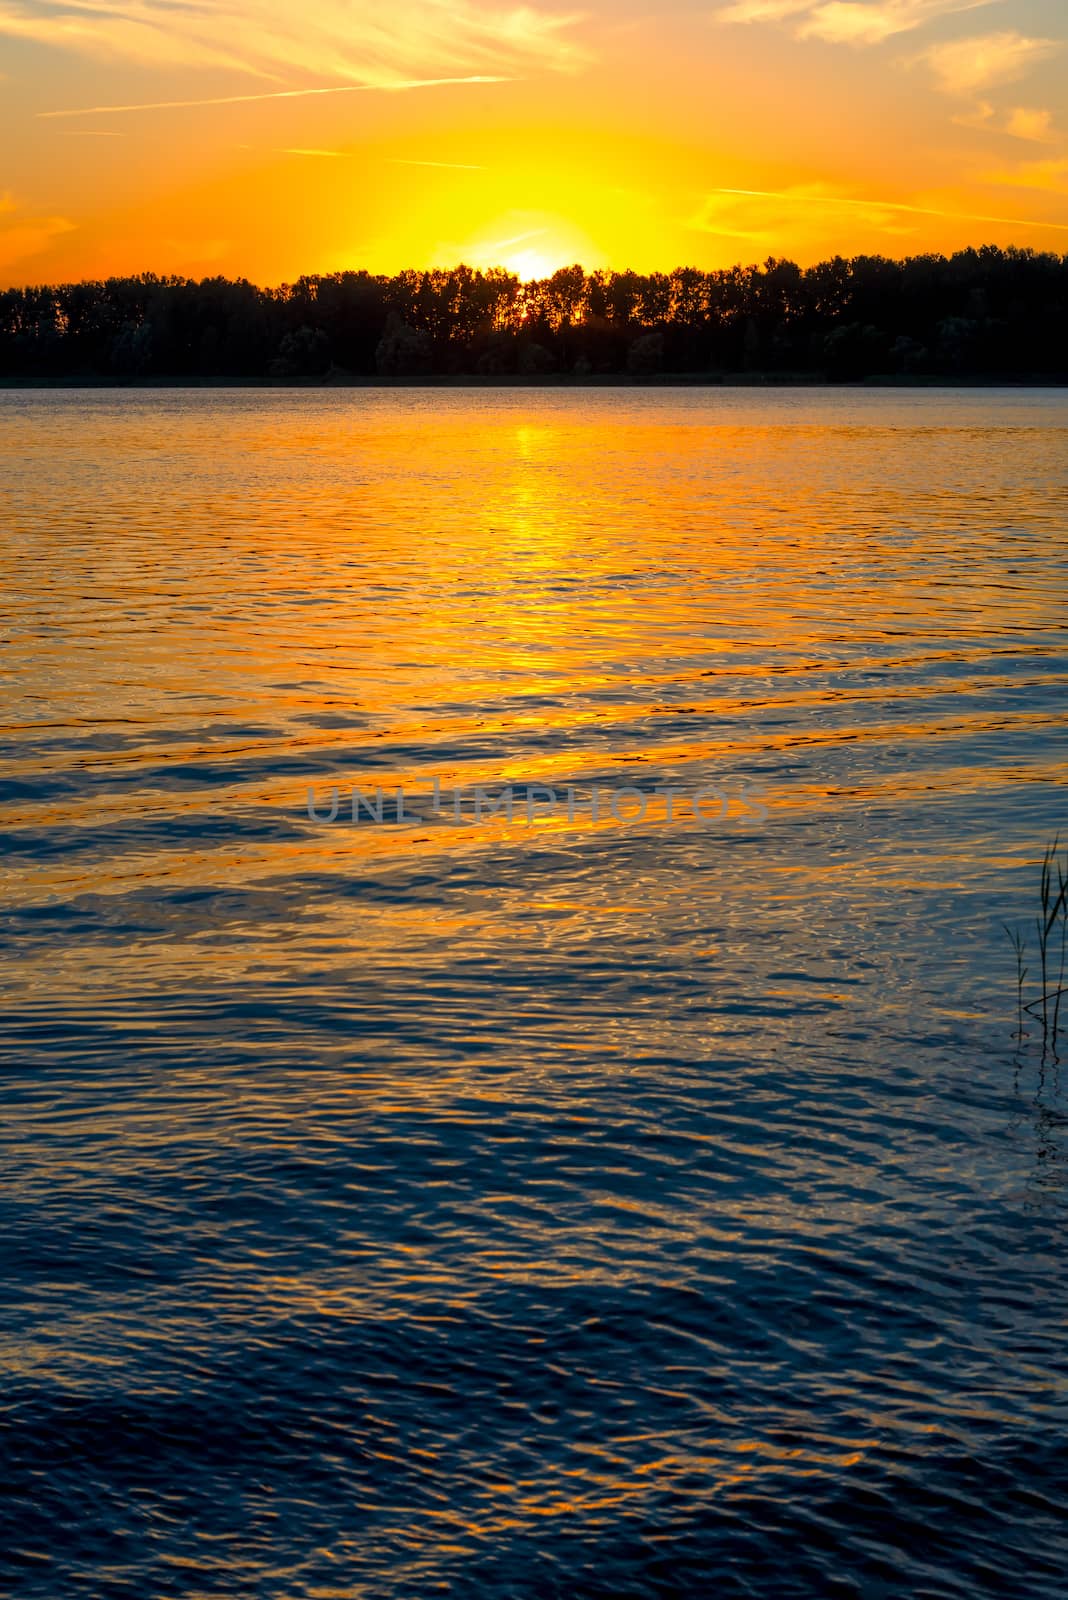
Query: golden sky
x,y
264,139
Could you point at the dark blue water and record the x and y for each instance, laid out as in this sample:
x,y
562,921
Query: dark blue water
x,y
593,1210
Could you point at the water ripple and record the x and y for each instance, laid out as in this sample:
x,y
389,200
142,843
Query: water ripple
x,y
573,1209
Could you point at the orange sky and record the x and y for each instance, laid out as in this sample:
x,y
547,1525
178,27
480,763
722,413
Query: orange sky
x,y
264,139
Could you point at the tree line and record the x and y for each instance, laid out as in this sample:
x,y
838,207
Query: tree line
x,y
987,312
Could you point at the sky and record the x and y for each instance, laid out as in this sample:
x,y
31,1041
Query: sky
x,y
267,138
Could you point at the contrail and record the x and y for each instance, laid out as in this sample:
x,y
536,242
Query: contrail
x,y
276,94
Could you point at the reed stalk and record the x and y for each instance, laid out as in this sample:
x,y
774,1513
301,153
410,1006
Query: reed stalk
x,y
1051,928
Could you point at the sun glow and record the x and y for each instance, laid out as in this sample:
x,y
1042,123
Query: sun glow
x,y
526,134
531,245
529,265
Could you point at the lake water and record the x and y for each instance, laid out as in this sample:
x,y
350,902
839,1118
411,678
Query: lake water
x,y
555,1207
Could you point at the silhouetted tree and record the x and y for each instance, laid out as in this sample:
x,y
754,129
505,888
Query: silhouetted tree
x,y
404,351
646,354
989,312
535,358
305,353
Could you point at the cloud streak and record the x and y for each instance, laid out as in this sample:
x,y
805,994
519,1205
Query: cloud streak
x,y
273,94
803,198
1021,122
855,22
448,166
968,66
1051,177
24,235
1026,122
336,40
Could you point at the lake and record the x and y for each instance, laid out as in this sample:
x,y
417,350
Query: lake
x,y
655,1203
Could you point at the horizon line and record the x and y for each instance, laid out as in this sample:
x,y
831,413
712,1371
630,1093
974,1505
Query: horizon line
x,y
499,267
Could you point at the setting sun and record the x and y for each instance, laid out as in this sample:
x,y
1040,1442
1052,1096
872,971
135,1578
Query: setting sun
x,y
530,245
529,265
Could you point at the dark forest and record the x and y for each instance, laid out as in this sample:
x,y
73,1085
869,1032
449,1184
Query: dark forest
x,y
985,313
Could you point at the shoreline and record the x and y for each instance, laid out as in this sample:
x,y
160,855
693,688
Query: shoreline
x,y
615,380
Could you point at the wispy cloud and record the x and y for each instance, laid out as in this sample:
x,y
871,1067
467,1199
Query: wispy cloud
x,y
296,150
732,212
968,66
852,22
806,214
23,234
273,94
517,238
1026,122
856,22
130,30
333,39
762,10
450,166
1049,176
1022,122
